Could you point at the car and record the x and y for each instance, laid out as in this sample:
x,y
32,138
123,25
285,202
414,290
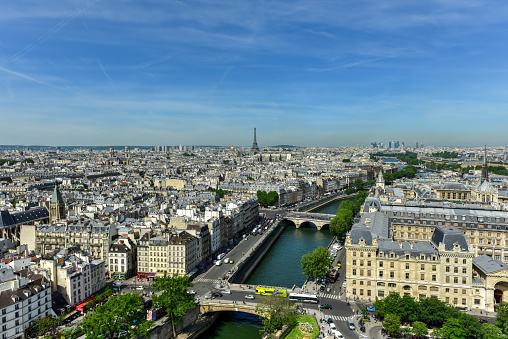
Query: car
x,y
332,326
226,291
192,292
249,296
482,321
139,288
344,284
337,334
216,294
339,264
322,288
325,307
218,263
231,261
226,261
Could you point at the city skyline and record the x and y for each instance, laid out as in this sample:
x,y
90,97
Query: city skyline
x,y
306,74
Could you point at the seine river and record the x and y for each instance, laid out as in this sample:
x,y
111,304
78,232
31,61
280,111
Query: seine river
x,y
279,267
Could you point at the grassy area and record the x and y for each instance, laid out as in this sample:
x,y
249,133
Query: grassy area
x,y
297,334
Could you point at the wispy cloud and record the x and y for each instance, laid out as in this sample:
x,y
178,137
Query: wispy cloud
x,y
23,76
149,63
107,75
51,32
349,65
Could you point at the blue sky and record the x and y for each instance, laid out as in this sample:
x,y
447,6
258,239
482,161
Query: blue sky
x,y
308,73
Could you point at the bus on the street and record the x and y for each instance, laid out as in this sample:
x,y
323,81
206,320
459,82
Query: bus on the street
x,y
280,292
303,298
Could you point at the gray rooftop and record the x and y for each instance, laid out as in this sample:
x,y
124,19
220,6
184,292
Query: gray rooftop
x,y
449,236
400,248
487,264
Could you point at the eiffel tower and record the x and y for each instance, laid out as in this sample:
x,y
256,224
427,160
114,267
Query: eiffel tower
x,y
255,143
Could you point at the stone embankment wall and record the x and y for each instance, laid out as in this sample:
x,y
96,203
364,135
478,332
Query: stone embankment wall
x,y
255,256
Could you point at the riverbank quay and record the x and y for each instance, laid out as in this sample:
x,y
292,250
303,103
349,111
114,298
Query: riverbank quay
x,y
244,268
312,206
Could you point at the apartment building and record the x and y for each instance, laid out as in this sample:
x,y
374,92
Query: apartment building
x,y
24,297
76,277
91,236
171,253
122,259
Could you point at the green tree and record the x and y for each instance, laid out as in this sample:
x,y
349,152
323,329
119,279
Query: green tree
x,y
359,183
490,331
392,323
45,325
175,297
119,313
469,323
502,316
434,311
453,329
275,313
272,198
318,263
387,305
420,329
409,309
262,197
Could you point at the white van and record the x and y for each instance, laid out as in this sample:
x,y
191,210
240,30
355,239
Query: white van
x,y
220,256
218,263
226,261
351,324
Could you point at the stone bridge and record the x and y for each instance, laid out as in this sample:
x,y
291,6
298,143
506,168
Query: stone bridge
x,y
318,219
238,306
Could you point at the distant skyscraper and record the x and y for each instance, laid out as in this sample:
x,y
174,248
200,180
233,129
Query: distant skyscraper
x,y
255,143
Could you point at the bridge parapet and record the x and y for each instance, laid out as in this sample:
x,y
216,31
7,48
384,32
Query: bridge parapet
x,y
207,307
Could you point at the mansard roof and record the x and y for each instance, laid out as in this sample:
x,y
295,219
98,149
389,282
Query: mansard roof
x,y
7,219
449,236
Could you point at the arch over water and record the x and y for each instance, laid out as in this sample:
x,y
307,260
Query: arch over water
x,y
308,224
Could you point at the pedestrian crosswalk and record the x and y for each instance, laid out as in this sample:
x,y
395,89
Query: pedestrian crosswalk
x,y
338,317
213,281
328,296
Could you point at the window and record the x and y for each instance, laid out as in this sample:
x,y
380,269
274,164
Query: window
x,y
392,274
433,277
407,276
422,276
381,263
407,266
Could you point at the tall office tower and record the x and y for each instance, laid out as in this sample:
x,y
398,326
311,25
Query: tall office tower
x,y
255,143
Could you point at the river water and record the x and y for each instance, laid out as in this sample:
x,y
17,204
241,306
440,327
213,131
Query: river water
x,y
279,267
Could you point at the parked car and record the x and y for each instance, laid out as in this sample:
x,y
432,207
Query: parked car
x,y
226,291
332,326
325,307
216,294
249,296
139,288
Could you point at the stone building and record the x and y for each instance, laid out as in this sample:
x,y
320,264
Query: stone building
x,y
440,267
93,237
24,298
56,206
171,253
122,259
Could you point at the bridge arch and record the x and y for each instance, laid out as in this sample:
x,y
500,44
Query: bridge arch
x,y
308,224
227,307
